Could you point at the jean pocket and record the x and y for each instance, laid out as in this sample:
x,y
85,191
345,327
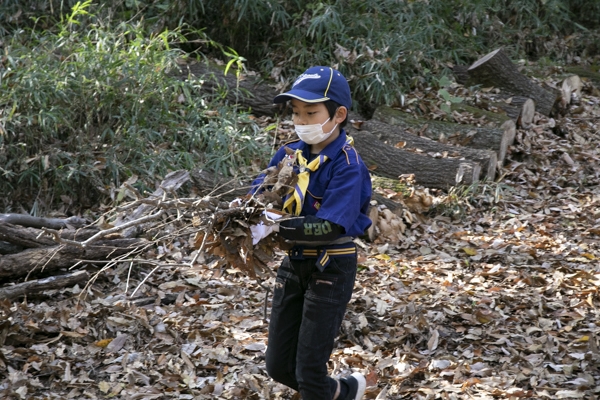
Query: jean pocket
x,y
343,265
325,287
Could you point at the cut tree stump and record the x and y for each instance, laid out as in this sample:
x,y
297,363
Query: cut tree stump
x,y
570,90
497,70
391,162
484,138
393,136
12,292
520,109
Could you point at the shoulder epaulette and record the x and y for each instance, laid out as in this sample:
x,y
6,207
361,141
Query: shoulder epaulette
x,y
348,149
291,141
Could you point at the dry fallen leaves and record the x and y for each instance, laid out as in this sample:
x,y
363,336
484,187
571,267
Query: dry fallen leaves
x,y
500,301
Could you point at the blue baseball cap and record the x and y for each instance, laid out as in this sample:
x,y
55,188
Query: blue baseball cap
x,y
319,84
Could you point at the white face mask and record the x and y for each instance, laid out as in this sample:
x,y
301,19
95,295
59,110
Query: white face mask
x,y
313,134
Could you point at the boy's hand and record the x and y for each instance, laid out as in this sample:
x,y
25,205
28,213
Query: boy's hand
x,y
262,230
236,202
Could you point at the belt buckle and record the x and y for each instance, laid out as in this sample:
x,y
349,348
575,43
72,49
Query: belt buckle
x,y
296,253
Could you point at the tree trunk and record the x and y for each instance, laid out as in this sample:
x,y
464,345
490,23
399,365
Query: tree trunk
x,y
9,248
62,256
391,162
38,222
461,74
484,138
519,109
590,72
392,136
34,238
252,92
497,70
36,286
525,110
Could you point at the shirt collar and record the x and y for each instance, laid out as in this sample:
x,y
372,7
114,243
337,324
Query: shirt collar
x,y
332,148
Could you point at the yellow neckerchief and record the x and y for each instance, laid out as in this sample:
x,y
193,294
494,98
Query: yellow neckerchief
x,y
293,204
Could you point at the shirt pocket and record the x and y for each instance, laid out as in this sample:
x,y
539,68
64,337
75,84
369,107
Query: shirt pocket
x,y
313,201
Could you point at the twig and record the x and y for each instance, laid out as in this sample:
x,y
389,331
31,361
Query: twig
x,y
584,118
210,228
109,263
138,221
56,236
136,192
265,307
145,279
128,276
54,253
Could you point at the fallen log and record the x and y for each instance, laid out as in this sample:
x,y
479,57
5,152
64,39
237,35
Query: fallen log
x,y
41,222
393,136
518,109
9,248
497,70
250,90
51,283
391,162
485,138
33,238
591,72
34,260
461,74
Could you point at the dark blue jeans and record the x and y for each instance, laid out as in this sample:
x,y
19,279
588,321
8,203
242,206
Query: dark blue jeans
x,y
307,311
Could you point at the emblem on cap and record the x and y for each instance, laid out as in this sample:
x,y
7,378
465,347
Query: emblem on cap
x,y
306,76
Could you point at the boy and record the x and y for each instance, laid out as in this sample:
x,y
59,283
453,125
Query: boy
x,y
314,282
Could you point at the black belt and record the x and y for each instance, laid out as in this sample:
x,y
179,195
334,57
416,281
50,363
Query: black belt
x,y
322,253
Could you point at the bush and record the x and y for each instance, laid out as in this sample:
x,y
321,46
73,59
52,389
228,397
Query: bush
x,y
386,47
86,103
82,110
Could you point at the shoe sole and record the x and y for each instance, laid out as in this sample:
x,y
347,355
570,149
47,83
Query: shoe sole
x,y
362,385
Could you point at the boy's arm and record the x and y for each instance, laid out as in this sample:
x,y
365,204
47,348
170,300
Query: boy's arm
x,y
309,229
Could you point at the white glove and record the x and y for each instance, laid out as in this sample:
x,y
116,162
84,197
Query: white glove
x,y
235,202
262,230
272,216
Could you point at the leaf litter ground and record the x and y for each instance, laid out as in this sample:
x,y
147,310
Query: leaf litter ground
x,y
493,294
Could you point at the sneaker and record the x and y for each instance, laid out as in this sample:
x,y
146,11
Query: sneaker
x,y
357,385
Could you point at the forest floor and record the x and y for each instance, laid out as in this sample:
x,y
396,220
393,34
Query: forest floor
x,y
493,295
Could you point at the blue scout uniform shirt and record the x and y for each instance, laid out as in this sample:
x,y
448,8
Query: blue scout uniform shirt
x,y
339,191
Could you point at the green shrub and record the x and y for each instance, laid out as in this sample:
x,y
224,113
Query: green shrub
x,y
87,100
385,46
81,110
